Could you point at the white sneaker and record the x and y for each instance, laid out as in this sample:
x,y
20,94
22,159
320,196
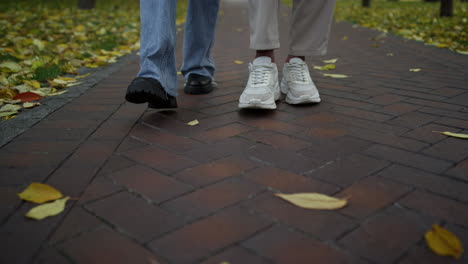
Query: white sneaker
x,y
262,89
297,83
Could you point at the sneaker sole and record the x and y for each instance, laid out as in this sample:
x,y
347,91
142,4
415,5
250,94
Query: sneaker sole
x,y
304,99
258,104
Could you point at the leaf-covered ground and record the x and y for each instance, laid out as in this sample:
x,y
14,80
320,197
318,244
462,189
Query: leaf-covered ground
x,y
412,19
44,40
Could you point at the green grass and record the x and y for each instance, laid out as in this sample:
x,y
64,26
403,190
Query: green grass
x,y
411,19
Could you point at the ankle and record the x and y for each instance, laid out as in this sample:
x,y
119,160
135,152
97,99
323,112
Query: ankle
x,y
292,57
266,53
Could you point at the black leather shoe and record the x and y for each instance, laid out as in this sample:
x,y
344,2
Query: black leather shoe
x,y
199,84
147,90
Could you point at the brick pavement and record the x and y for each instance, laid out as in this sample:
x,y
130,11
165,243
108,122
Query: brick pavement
x,y
153,190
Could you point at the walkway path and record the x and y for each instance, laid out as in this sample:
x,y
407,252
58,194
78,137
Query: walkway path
x,y
154,190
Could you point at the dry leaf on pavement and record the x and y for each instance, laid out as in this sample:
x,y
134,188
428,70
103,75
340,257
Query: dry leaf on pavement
x,y
193,123
314,201
335,75
40,193
451,134
50,209
443,242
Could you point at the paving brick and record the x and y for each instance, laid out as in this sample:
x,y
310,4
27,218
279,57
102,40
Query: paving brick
x,y
115,163
371,195
221,109
284,247
364,114
288,182
9,200
427,181
386,99
135,216
274,125
105,246
453,122
408,158
276,140
44,147
130,143
436,104
331,132
386,139
168,124
459,171
149,183
449,149
412,120
78,221
348,170
444,113
78,171
219,149
50,255
164,139
324,151
235,255
437,206
215,171
398,109
212,234
425,133
212,198
284,159
98,188
161,160
379,238
324,225
317,119
222,132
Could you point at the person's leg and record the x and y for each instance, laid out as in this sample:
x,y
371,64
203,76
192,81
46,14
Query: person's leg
x,y
199,36
263,20
310,27
262,89
157,38
309,30
198,66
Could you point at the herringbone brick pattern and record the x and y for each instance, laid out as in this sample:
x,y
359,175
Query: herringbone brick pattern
x,y
152,189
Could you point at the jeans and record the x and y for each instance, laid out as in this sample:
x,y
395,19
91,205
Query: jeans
x,y
158,40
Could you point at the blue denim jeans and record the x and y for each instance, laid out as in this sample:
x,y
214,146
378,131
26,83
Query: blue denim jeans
x,y
158,40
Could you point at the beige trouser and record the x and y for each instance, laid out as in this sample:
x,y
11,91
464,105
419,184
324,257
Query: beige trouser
x,y
308,32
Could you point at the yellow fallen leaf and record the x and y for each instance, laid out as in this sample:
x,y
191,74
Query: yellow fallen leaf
x,y
325,67
193,123
6,115
415,70
83,76
67,79
443,242
330,61
73,84
463,52
179,73
29,105
344,38
9,117
33,83
451,134
50,209
390,54
10,108
40,193
335,75
314,201
57,93
10,66
238,62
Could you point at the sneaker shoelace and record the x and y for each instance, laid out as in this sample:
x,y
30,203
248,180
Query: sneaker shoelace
x,y
299,72
260,74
